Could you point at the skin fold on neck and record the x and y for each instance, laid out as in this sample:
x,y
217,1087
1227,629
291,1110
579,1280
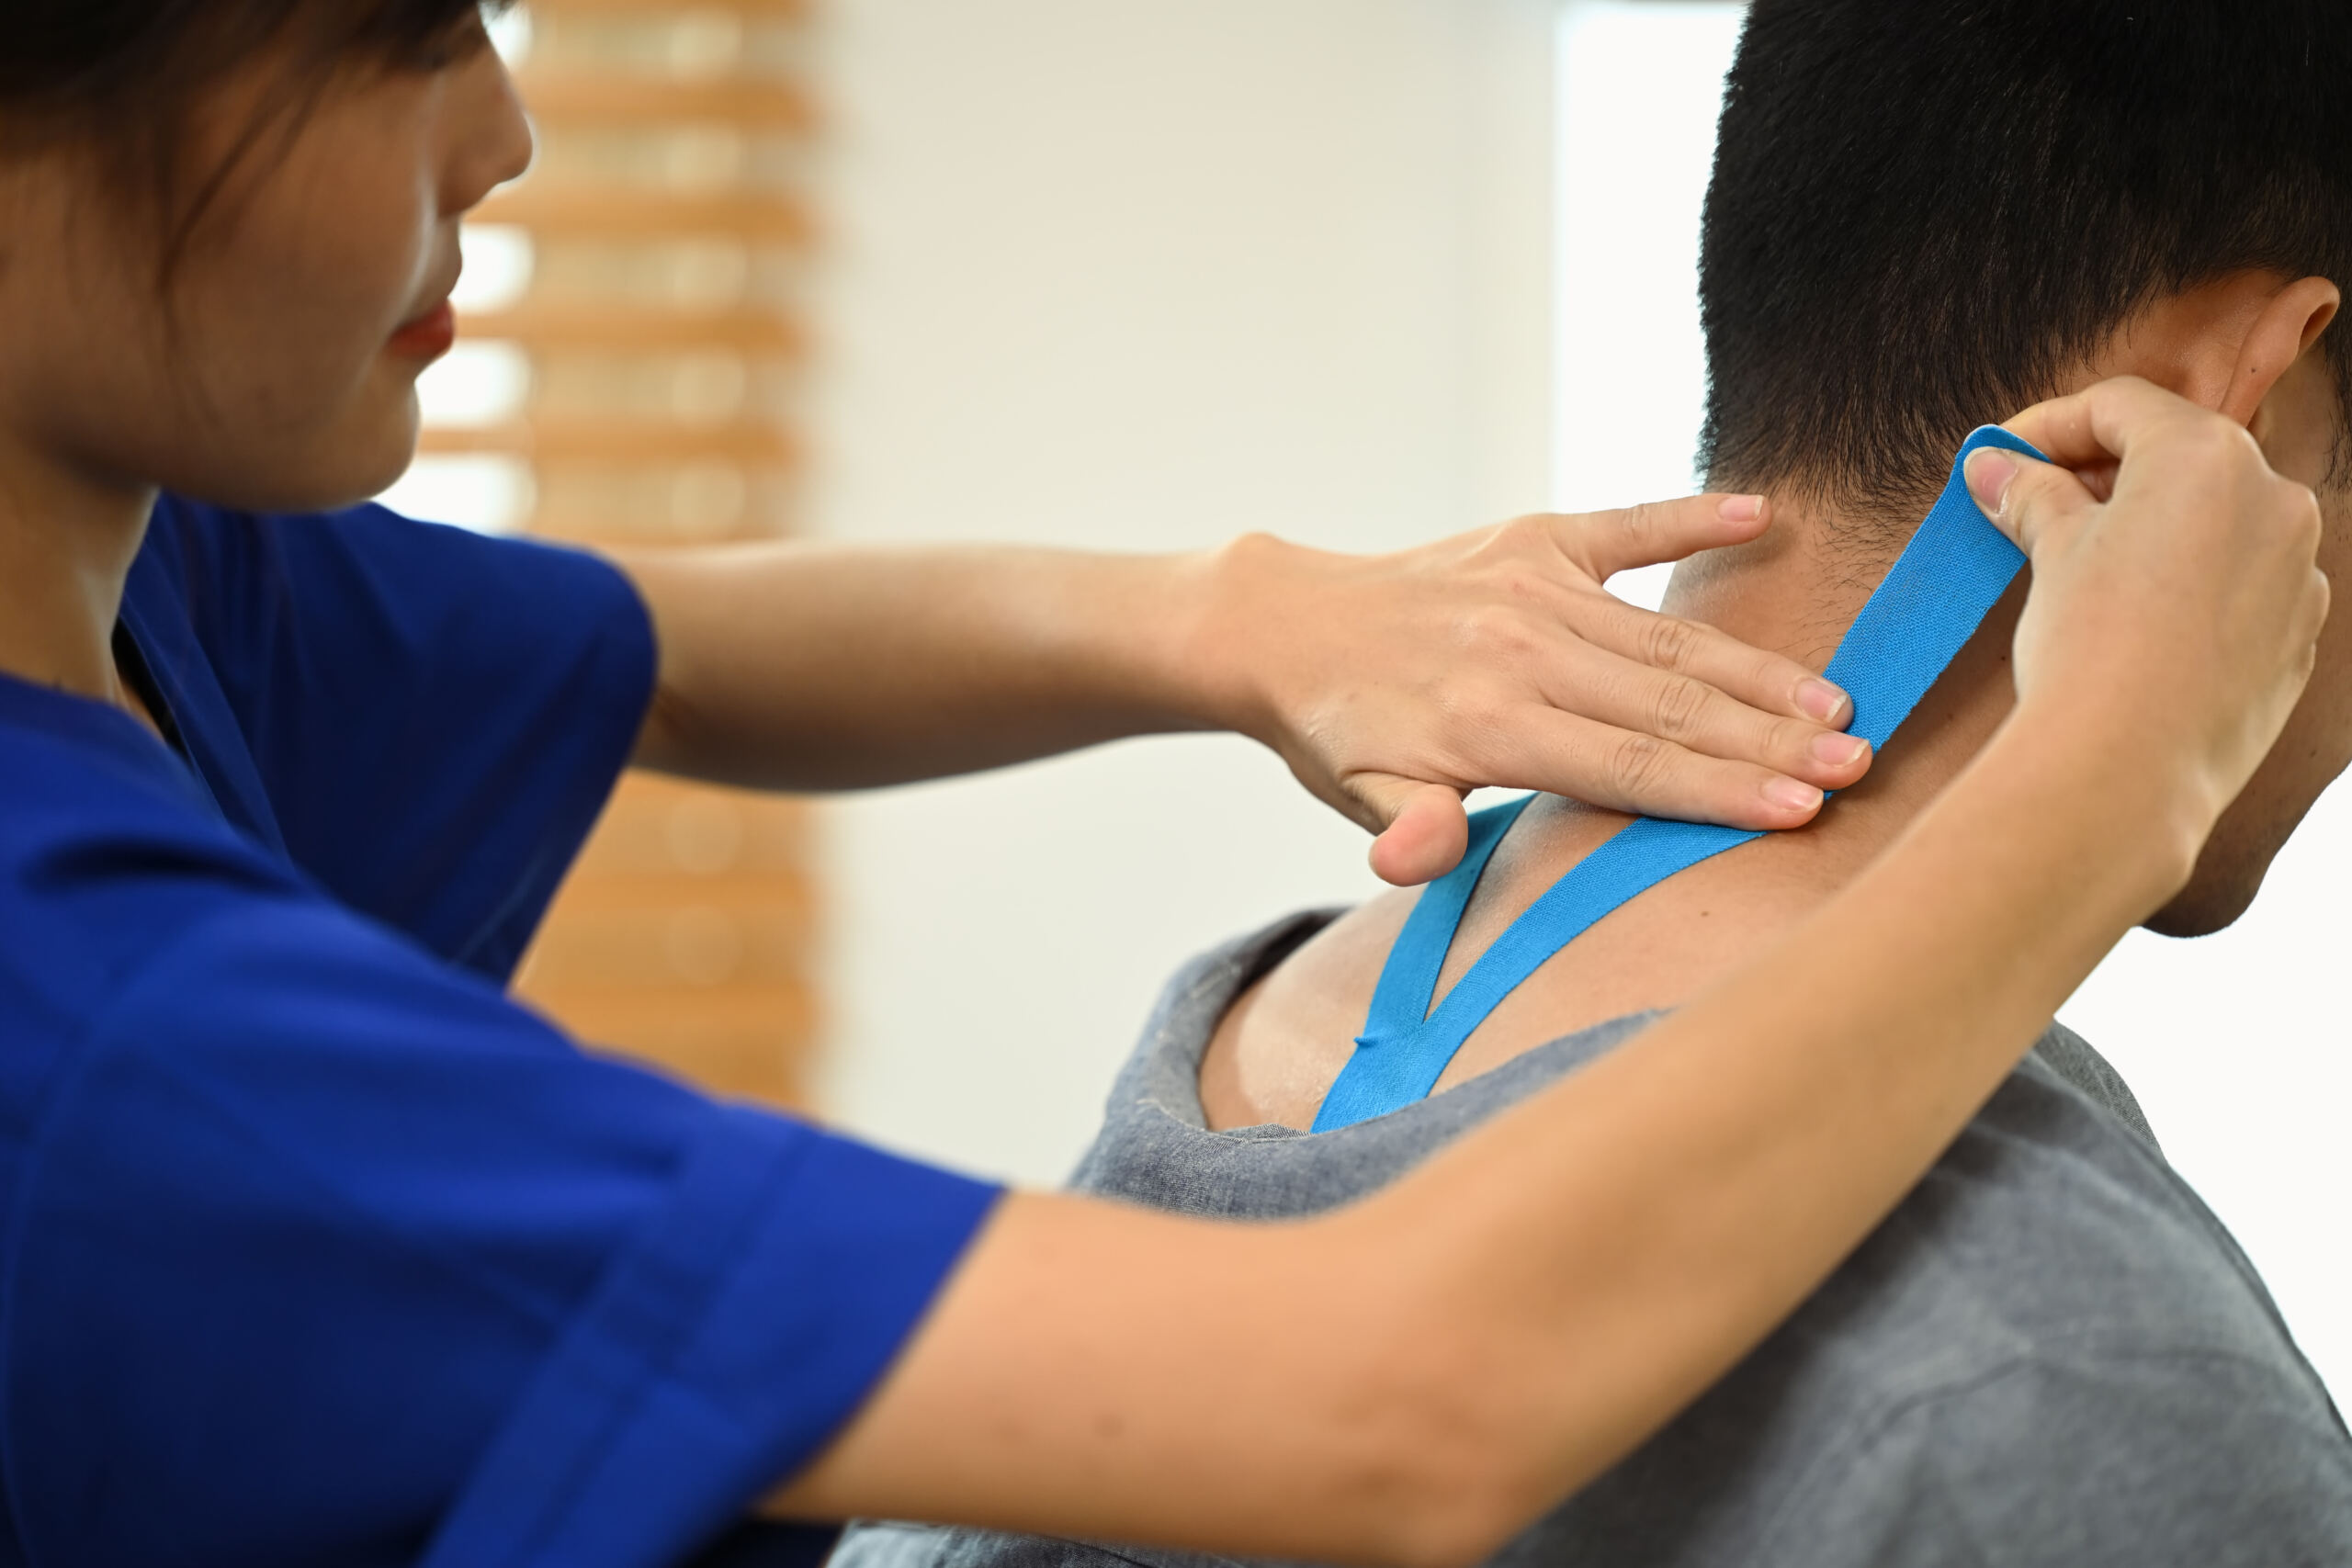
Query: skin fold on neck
x,y
1794,591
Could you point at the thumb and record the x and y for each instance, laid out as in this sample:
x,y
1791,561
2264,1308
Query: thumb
x,y
1427,829
2022,497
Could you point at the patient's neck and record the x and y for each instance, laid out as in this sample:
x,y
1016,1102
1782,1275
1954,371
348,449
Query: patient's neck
x,y
1797,591
1276,1053
1796,595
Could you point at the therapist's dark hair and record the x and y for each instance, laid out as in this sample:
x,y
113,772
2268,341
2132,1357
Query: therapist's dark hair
x,y
1923,211
126,79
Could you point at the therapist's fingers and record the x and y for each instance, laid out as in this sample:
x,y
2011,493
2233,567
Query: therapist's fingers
x,y
2092,431
2023,498
1422,828
1606,543
1637,771
1602,544
1394,685
1699,715
2182,611
1764,681
2100,421
1427,829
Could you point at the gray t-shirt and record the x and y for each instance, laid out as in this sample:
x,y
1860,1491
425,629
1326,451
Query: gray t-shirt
x,y
2050,1353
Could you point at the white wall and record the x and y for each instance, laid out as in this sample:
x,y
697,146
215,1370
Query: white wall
x,y
1144,274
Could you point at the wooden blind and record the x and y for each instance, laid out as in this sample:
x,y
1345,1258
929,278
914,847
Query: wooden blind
x,y
657,342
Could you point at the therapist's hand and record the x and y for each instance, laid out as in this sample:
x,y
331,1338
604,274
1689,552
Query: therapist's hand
x,y
1393,684
2177,600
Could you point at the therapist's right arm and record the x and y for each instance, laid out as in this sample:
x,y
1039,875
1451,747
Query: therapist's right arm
x,y
1413,1380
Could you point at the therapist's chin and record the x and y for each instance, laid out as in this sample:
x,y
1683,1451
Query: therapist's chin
x,y
385,457
323,468
330,491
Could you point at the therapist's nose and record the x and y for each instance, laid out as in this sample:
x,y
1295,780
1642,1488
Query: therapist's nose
x,y
493,142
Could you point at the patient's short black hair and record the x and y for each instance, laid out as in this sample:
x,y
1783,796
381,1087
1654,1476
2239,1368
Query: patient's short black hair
x,y
1924,211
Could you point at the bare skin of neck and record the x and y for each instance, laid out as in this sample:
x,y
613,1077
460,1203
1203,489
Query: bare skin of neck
x,y
67,540
1278,1049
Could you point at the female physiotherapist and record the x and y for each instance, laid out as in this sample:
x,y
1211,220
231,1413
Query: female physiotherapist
x,y
316,1250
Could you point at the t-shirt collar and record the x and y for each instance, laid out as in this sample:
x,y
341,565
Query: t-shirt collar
x,y
91,726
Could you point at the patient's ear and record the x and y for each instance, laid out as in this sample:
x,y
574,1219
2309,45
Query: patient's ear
x,y
2282,330
2225,344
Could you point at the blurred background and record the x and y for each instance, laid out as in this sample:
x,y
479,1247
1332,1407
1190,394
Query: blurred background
x,y
1140,274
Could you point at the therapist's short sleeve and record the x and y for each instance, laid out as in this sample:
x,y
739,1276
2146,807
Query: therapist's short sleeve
x,y
436,718
323,1253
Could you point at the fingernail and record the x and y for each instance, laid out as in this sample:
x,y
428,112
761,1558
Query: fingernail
x,y
1794,794
1741,508
1989,472
1821,700
1838,751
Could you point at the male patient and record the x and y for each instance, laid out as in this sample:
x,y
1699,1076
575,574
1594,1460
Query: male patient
x,y
1924,215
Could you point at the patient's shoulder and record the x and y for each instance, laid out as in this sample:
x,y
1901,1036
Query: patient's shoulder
x,y
2082,1451
2070,1056
2052,1223
2051,1352
1275,1055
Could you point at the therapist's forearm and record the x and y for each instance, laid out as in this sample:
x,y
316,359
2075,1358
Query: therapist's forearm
x,y
1761,1131
813,667
1413,1379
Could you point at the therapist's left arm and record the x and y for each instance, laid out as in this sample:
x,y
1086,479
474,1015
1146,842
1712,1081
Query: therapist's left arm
x,y
1389,683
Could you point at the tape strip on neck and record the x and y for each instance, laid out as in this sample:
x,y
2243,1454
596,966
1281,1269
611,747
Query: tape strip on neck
x,y
1931,601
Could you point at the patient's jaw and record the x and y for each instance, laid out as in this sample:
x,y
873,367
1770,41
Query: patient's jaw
x,y
2243,345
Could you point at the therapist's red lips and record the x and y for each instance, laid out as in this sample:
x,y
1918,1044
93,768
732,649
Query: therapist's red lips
x,y
430,335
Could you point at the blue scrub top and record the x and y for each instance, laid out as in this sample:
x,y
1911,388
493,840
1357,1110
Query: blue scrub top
x,y
318,1250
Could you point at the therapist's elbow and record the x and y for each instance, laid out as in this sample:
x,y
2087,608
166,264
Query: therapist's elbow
x,y
1454,1458
1453,1491
1462,1532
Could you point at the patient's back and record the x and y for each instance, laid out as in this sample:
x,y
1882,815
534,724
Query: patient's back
x,y
2050,1353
